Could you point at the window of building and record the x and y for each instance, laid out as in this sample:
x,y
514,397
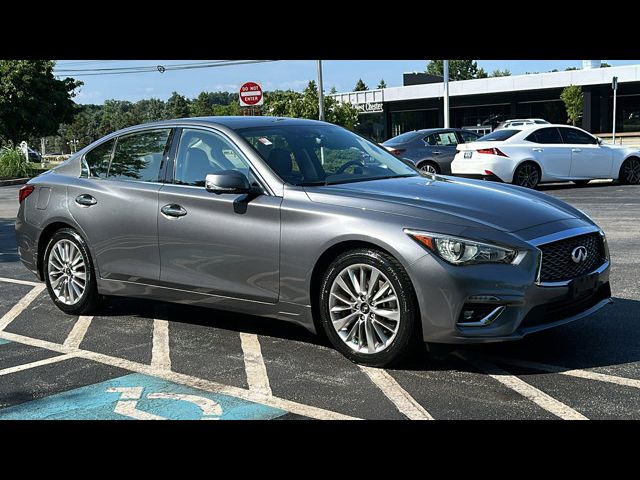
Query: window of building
x,y
139,156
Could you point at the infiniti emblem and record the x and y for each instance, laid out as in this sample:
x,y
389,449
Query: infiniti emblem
x,y
579,254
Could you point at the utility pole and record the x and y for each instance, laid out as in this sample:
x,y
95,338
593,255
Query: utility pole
x,y
320,92
614,85
446,94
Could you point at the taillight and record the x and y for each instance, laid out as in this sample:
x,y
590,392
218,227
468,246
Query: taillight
x,y
492,151
397,151
24,192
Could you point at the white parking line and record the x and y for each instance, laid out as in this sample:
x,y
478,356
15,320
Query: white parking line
x,y
586,374
24,302
19,282
195,382
254,364
160,356
530,392
39,363
78,332
404,402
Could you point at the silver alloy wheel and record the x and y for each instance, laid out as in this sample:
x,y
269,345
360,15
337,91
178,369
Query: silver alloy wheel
x,y
527,176
364,308
632,171
67,272
428,168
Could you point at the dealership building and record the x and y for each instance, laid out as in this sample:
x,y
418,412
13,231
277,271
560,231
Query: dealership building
x,y
481,103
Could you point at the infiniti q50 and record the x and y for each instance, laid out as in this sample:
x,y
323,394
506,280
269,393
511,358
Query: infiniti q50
x,y
309,223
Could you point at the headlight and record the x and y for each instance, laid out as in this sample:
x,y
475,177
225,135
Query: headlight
x,y
462,251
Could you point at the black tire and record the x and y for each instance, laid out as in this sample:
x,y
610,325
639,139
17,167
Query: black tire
x,y
527,175
424,166
408,336
630,171
581,183
90,299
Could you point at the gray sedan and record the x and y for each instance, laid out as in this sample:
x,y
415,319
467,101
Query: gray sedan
x,y
308,223
430,150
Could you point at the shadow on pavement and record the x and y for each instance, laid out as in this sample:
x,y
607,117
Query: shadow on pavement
x,y
8,251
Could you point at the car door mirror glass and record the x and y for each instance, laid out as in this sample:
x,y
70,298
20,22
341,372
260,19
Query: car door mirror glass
x,y
227,182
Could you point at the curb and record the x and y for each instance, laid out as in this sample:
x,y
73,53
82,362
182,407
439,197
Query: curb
x,y
14,181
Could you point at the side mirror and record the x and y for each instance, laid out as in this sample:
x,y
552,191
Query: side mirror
x,y
227,181
599,140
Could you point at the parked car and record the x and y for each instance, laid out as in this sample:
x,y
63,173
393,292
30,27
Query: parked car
x,y
545,153
521,122
430,150
309,223
34,155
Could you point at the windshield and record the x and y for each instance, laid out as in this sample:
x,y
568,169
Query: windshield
x,y
322,155
498,135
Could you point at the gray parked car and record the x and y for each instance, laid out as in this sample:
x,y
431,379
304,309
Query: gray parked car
x,y
309,223
430,150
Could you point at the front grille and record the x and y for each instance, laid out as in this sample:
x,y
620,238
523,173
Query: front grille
x,y
557,264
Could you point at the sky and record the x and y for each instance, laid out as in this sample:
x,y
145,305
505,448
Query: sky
x,y
285,74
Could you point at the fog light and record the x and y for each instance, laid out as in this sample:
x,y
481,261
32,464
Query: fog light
x,y
479,314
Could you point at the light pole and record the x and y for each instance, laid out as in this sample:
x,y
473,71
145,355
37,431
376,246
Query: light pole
x,y
320,93
446,94
614,85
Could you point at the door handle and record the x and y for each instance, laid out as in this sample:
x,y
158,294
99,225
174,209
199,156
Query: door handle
x,y
436,152
538,149
576,150
173,210
85,200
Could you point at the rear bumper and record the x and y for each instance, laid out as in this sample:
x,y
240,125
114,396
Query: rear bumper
x,y
486,166
27,243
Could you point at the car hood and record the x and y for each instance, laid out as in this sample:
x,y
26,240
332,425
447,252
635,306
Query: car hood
x,y
449,200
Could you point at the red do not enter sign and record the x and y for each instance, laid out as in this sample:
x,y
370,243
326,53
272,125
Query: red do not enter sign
x,y
251,94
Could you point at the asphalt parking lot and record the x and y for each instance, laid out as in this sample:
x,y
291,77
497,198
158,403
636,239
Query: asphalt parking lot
x,y
149,360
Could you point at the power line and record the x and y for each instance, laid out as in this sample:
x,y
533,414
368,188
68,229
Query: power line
x,y
156,68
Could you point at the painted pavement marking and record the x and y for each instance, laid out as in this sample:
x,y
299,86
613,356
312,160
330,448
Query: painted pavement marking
x,y
78,332
160,357
24,302
19,282
530,392
404,402
3,341
140,397
577,373
187,380
39,363
257,378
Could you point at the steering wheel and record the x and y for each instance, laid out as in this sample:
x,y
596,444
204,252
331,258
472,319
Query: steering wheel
x,y
347,165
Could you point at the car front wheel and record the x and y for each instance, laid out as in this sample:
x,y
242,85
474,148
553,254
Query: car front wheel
x,y
630,171
368,308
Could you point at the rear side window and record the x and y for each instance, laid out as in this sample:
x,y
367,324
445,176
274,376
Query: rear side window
x,y
545,135
468,136
403,138
498,135
572,135
96,162
444,139
139,156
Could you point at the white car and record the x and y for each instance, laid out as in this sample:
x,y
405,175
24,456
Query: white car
x,y
530,155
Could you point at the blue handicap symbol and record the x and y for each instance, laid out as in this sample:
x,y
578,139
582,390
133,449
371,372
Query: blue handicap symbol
x,y
141,397
3,341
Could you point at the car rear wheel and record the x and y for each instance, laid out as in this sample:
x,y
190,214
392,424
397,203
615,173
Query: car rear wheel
x,y
527,175
69,273
368,308
429,167
630,171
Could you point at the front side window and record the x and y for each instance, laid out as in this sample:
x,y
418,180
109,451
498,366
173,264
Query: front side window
x,y
572,135
139,156
545,135
322,155
96,162
445,139
202,152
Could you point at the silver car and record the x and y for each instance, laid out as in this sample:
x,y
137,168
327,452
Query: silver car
x,y
309,223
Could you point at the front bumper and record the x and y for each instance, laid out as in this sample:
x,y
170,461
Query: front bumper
x,y
524,306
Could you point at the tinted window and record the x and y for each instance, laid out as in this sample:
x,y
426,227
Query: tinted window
x,y
545,135
201,152
498,135
468,136
572,135
443,139
139,156
96,162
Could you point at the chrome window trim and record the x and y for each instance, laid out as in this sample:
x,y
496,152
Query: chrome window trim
x,y
554,237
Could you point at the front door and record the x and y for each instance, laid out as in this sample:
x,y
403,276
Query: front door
x,y
226,245
588,158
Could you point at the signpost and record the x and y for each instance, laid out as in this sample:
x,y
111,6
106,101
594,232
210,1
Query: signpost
x,y
614,85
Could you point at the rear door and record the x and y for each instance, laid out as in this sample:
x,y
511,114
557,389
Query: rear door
x,y
551,153
115,202
588,158
441,146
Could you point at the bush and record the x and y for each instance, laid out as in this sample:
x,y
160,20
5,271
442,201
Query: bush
x,y
13,164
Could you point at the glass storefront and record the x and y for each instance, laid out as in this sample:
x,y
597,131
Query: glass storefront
x,y
371,125
552,111
485,115
627,113
408,121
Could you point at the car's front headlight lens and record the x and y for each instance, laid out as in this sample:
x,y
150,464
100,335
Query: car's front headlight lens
x,y
462,251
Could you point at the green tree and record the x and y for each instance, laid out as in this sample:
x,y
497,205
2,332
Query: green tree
x,y
333,90
568,69
382,83
501,73
604,65
458,69
360,86
572,98
33,103
177,106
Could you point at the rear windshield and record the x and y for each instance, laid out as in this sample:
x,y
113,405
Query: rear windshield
x,y
498,135
403,138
